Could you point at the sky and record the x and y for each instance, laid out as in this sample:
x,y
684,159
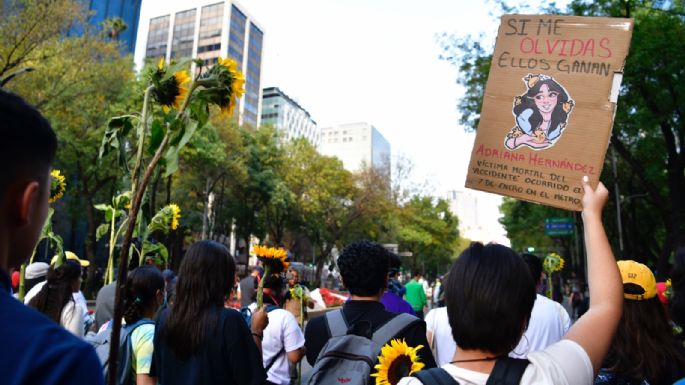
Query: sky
x,y
376,61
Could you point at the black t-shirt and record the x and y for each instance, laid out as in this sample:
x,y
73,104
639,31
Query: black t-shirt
x,y
370,313
228,356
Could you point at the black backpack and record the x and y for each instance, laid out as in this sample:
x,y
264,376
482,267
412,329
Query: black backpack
x,y
101,343
507,371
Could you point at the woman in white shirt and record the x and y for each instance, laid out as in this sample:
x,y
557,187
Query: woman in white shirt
x,y
55,299
490,295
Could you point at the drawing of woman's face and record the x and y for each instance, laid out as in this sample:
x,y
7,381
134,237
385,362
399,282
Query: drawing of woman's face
x,y
546,100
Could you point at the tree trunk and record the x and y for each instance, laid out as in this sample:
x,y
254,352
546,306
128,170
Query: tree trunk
x,y
90,245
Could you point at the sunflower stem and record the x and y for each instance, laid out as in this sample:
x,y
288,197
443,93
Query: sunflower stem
x,y
260,287
124,258
142,129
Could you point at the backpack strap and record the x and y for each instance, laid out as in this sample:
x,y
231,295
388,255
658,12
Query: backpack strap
x,y
393,327
508,371
125,376
335,320
435,376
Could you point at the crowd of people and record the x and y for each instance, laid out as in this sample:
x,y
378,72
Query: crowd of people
x,y
488,323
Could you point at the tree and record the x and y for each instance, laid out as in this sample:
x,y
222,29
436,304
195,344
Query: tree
x,y
429,230
77,84
649,128
28,29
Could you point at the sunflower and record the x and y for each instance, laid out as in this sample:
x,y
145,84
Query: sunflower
x,y
231,84
58,186
553,262
274,261
175,215
170,92
397,360
273,258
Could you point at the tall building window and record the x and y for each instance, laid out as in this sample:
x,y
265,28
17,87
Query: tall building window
x,y
184,34
209,42
157,37
252,74
236,36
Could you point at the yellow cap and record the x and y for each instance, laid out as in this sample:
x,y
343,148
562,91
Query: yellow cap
x,y
72,256
640,275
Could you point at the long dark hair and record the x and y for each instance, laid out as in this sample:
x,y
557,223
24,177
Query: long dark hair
x,y
205,278
57,291
142,285
528,101
643,346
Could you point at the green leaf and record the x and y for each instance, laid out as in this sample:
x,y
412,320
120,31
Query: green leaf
x,y
156,136
102,207
101,231
171,156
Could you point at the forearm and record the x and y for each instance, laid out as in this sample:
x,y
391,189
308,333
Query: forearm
x,y
604,279
595,329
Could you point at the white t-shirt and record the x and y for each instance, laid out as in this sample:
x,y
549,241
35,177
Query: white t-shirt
x,y
438,324
71,318
282,332
549,321
564,363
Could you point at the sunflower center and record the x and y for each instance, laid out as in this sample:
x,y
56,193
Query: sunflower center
x,y
399,368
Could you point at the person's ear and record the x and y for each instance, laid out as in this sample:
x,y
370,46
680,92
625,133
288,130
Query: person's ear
x,y
27,202
160,297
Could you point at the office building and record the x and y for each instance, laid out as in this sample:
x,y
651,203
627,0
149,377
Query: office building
x,y
284,113
206,29
358,145
478,214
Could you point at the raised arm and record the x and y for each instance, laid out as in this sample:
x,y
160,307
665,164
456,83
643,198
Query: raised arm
x,y
595,329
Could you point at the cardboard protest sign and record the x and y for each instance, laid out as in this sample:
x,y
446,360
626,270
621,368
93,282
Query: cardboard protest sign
x,y
549,106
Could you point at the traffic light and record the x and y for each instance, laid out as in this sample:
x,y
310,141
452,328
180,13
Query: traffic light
x,y
531,249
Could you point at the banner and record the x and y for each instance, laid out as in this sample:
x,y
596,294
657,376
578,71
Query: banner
x,y
549,106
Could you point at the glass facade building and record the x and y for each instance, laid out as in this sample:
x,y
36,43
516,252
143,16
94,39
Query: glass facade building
x,y
288,116
127,10
206,30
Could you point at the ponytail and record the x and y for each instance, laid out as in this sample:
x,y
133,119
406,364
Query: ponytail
x,y
142,285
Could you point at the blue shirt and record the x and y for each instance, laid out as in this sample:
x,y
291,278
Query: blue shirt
x,y
35,350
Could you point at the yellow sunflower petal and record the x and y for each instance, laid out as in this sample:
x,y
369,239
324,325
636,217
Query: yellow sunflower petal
x,y
160,65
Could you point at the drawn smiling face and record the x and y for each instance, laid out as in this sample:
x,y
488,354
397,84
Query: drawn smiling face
x,y
546,100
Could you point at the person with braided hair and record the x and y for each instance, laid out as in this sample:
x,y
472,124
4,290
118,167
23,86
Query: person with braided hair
x,y
56,300
144,295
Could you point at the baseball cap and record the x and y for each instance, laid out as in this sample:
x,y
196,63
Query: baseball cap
x,y
37,270
640,275
72,256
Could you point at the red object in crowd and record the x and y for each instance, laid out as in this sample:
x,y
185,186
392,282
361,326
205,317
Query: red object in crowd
x,y
329,299
15,280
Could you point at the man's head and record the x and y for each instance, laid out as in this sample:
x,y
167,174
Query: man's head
x,y
257,271
395,264
364,268
534,265
27,150
293,277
